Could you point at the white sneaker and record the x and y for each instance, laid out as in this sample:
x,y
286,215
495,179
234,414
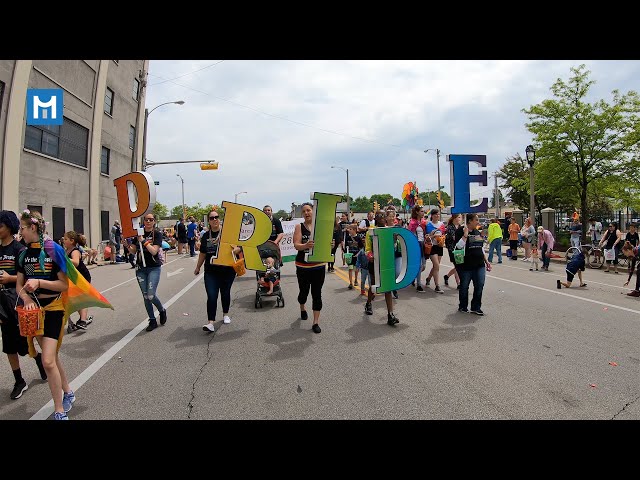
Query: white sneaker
x,y
208,327
226,320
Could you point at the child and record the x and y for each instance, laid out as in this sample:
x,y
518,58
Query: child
x,y
534,257
575,265
353,244
72,242
270,274
362,263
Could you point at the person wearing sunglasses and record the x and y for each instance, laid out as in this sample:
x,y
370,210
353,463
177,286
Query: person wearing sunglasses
x,y
217,278
148,268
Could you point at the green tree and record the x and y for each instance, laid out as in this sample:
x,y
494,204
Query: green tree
x,y
361,204
281,214
492,200
160,210
431,198
579,142
177,211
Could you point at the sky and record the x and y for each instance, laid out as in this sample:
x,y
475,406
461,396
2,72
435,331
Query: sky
x,y
276,127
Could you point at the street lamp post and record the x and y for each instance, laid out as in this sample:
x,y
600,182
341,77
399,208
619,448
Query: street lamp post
x,y
184,213
239,193
144,137
531,158
348,203
437,150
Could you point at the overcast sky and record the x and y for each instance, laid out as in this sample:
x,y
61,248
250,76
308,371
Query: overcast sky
x,y
373,117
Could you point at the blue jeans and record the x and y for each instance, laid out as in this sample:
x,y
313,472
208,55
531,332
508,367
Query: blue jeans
x,y
477,275
148,279
364,276
575,242
545,260
192,246
496,244
423,262
214,282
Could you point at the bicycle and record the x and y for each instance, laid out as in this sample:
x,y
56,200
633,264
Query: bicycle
x,y
593,254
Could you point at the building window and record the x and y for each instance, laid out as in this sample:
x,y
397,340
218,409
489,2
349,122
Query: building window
x,y
104,224
35,208
132,136
58,223
108,101
136,89
78,220
104,160
68,142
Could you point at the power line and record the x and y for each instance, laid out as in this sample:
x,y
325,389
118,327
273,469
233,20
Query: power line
x,y
180,76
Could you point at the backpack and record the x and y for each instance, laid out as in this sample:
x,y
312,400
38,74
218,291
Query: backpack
x,y
449,239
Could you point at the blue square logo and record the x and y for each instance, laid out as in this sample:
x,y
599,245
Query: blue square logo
x,y
44,106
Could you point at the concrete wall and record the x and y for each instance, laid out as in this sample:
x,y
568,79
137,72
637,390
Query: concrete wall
x,y
6,75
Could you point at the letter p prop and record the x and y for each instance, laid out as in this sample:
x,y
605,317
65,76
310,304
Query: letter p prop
x,y
136,197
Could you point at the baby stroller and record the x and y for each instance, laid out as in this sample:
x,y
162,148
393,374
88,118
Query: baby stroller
x,y
269,249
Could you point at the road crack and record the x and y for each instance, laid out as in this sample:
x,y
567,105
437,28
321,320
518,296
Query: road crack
x,y
622,410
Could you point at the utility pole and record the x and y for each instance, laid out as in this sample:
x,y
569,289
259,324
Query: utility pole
x,y
496,195
438,159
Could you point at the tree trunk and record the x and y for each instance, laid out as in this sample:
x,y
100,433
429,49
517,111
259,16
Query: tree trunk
x,y
583,210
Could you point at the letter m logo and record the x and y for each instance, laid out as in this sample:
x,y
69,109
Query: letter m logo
x,y
44,106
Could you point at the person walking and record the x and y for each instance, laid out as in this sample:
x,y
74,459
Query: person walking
x,y
545,244
495,239
192,234
72,242
310,274
436,229
610,239
217,278
474,267
337,241
528,234
146,248
276,225
14,345
181,234
417,225
449,241
633,252
368,308
576,232
514,230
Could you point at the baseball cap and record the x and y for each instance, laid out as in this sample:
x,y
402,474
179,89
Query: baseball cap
x,y
540,228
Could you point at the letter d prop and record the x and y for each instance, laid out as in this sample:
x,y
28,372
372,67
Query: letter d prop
x,y
384,258
136,194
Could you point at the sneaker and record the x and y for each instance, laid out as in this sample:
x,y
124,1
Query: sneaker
x,y
81,325
392,319
60,416
163,317
67,401
531,269
304,315
446,280
368,309
427,282
226,320
558,285
635,293
152,325
18,389
350,287
420,289
208,327
394,293
316,328
355,283
463,309
438,290
536,269
478,312
499,261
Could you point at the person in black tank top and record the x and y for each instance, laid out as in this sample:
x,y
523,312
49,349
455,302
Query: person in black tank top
x,y
71,241
310,274
610,240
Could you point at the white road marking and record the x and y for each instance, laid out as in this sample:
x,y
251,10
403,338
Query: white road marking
x,y
171,274
132,279
46,411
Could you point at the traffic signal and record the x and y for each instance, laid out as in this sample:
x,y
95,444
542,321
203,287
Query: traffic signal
x,y
376,207
209,166
440,201
441,204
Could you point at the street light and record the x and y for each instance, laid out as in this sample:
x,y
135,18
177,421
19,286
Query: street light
x,y
437,150
239,193
184,213
531,159
348,203
144,138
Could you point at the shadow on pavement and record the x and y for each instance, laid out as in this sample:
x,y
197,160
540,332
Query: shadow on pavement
x,y
372,327
92,346
292,341
462,329
194,336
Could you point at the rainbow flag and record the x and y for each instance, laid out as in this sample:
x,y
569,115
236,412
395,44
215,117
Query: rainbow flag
x,y
81,294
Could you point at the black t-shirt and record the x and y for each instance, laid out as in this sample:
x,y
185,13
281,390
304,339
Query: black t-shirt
x,y
473,255
353,244
634,239
151,260
182,231
209,245
8,258
611,238
82,268
30,268
276,228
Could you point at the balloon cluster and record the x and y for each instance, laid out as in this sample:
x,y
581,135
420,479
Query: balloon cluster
x,y
409,195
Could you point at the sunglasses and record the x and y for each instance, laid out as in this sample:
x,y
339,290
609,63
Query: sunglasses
x,y
214,218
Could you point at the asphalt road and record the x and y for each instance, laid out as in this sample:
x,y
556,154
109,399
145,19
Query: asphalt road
x,y
534,355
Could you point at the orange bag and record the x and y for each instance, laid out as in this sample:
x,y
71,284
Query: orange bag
x,y
427,246
30,322
238,264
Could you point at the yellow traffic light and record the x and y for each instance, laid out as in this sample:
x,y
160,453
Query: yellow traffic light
x,y
441,204
209,166
376,207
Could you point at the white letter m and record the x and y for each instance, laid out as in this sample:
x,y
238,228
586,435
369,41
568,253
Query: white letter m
x,y
38,104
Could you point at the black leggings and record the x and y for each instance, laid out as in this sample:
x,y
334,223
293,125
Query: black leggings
x,y
333,252
311,278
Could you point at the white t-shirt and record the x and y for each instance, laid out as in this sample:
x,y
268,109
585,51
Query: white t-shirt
x,y
420,233
363,223
595,231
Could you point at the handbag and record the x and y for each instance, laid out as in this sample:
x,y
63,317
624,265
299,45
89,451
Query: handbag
x,y
30,322
609,254
238,264
458,255
427,246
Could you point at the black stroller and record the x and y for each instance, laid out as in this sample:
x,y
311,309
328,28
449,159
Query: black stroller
x,y
269,249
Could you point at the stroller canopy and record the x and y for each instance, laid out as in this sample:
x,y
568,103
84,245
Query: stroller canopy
x,y
269,249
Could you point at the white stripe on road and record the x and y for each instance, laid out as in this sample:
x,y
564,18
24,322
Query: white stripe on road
x,y
132,279
46,411
567,295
